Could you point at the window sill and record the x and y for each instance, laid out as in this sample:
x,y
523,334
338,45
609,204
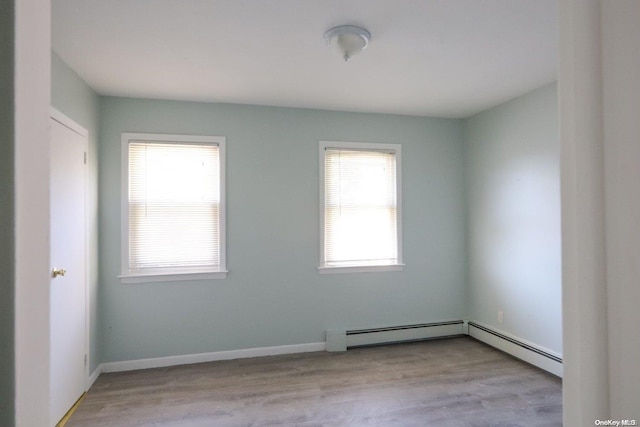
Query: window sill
x,y
361,269
171,277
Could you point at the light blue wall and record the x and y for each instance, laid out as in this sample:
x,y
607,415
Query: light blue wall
x,y
274,294
513,218
7,215
73,97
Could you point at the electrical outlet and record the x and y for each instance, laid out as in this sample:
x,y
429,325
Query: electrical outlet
x,y
500,316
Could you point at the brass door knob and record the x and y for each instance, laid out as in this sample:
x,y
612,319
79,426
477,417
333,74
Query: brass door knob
x,y
58,272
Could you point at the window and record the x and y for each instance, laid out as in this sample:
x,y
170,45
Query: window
x,y
173,210
360,195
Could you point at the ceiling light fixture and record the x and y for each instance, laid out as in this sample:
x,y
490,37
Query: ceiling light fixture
x,y
347,40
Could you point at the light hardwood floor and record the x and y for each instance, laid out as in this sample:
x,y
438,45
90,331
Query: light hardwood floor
x,y
448,382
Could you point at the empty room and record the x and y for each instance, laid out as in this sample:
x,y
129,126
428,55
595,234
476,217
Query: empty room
x,y
324,212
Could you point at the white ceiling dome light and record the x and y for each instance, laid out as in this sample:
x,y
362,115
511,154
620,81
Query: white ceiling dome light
x,y
347,40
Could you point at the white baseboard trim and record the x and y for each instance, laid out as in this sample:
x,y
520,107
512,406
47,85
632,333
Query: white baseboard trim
x,y
534,354
94,376
529,352
187,359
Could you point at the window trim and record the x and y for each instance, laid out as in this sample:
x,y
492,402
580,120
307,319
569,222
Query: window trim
x,y
176,274
364,146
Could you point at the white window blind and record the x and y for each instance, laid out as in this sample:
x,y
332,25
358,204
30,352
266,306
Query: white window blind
x,y
360,208
174,206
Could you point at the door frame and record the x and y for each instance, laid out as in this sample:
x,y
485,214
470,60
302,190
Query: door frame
x,y
71,124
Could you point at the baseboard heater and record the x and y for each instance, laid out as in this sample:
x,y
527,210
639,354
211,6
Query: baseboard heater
x,y
341,340
529,353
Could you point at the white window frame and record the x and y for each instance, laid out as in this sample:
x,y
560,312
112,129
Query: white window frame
x,y
364,146
174,274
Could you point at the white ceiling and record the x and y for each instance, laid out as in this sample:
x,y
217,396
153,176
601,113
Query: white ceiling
x,y
444,58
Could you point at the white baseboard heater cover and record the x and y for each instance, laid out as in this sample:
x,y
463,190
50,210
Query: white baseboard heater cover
x,y
542,358
338,340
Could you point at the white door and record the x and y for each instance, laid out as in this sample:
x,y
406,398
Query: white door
x,y
68,238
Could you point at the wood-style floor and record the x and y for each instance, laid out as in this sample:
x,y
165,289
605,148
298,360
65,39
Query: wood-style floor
x,y
448,382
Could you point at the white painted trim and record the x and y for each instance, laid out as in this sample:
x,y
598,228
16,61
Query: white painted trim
x,y
496,342
366,146
173,277
65,120
361,269
94,376
126,276
187,359
515,350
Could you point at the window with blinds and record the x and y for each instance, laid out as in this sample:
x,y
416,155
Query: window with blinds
x,y
174,206
361,210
